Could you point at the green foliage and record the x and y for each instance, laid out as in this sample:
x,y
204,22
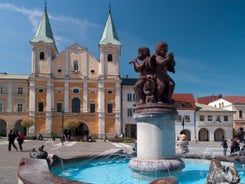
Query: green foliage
x,y
27,123
30,137
122,139
71,124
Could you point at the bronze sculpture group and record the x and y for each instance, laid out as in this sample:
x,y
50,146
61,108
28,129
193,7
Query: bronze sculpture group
x,y
154,85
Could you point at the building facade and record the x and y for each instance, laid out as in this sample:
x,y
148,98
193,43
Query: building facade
x,y
213,124
14,92
236,104
71,84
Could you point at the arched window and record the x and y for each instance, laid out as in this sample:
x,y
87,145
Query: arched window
x,y
41,56
76,105
109,57
75,65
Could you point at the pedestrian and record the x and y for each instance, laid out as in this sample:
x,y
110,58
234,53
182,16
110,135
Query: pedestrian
x,y
225,146
11,139
20,140
235,146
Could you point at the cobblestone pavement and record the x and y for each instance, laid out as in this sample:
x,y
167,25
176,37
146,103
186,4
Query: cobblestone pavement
x,y
9,160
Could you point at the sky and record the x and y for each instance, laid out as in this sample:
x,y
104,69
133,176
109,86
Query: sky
x,y
207,37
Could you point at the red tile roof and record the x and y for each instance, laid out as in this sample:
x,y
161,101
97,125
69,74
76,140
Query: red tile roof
x,y
235,99
207,99
184,101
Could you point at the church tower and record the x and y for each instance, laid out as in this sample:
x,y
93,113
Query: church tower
x,y
41,93
109,75
43,48
110,50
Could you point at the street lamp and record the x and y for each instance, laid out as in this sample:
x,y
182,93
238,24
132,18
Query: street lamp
x,y
183,122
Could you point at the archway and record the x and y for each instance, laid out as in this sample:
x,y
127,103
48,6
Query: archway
x,y
82,131
219,135
3,128
187,134
203,134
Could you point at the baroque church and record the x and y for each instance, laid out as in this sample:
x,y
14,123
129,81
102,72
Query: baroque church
x,y
71,84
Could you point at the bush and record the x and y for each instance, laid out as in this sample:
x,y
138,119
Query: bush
x,y
122,139
30,137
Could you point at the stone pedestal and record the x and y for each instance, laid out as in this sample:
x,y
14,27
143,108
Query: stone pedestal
x,y
156,139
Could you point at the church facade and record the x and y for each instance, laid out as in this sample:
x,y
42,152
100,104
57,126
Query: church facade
x,y
72,84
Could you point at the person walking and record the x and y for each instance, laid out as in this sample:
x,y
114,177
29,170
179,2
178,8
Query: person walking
x,y
11,138
225,146
20,140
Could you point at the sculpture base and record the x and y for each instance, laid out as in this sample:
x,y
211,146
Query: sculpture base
x,y
153,165
155,108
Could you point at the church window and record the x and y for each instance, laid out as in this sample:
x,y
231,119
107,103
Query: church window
x,y
41,90
1,107
76,91
109,91
109,107
40,107
109,57
92,71
41,56
92,107
75,105
75,65
59,107
1,90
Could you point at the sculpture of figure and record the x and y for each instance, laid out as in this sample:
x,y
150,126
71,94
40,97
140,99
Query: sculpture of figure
x,y
219,174
146,73
40,153
164,62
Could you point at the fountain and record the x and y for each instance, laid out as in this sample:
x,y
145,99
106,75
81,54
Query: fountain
x,y
155,115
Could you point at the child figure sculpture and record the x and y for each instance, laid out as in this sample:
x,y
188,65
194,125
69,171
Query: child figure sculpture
x,y
164,62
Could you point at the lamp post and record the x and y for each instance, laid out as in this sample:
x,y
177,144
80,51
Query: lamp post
x,y
183,122
62,127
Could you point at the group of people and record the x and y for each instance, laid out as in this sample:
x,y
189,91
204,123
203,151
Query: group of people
x,y
235,146
154,84
11,138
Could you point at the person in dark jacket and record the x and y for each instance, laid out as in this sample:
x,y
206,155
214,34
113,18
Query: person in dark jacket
x,y
225,146
11,138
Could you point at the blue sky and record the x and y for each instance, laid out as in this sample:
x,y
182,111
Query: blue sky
x,y
207,37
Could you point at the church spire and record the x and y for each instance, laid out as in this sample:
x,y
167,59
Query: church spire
x,y
44,32
110,34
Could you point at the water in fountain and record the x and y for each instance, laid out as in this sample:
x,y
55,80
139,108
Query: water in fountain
x,y
115,170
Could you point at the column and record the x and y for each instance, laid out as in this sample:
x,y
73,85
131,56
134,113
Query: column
x,y
10,92
118,108
101,108
49,106
85,96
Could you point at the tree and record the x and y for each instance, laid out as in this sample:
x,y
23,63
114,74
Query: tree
x,y
27,123
71,124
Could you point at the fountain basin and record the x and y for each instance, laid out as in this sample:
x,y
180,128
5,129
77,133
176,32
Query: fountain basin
x,y
35,171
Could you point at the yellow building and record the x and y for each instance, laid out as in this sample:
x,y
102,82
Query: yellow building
x,y
14,90
74,84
